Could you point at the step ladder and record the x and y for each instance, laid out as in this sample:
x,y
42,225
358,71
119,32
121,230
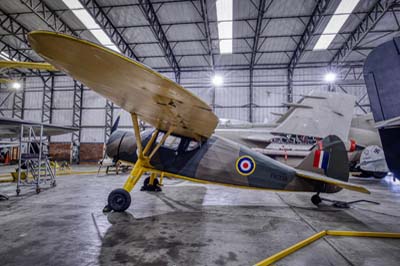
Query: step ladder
x,y
34,161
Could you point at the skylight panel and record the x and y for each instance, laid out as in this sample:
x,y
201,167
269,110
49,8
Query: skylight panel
x,y
225,25
225,46
336,22
88,21
101,36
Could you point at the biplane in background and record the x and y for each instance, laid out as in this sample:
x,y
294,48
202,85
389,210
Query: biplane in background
x,y
182,145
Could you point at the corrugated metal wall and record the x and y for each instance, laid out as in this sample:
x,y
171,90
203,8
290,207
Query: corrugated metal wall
x,y
229,101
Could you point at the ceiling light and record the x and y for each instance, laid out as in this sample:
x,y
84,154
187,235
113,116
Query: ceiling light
x,y
225,25
7,57
217,80
16,85
4,56
330,77
336,22
87,20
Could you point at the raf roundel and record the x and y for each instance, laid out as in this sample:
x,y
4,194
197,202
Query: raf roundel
x,y
245,165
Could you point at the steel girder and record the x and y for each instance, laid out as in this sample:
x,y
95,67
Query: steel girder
x,y
47,102
204,13
100,16
151,16
48,16
12,26
257,32
312,24
365,26
77,111
19,101
109,115
4,101
76,121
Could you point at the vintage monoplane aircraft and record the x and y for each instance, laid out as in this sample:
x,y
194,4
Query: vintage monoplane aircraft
x,y
182,145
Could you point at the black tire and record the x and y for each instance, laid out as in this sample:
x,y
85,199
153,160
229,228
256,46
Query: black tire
x,y
147,181
316,200
119,200
379,175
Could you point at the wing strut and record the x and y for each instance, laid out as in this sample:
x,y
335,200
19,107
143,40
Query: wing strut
x,y
143,161
137,135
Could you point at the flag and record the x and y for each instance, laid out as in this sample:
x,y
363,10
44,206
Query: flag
x,y
321,159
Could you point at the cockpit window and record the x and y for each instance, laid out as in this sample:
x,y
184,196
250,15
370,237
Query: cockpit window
x,y
193,145
171,142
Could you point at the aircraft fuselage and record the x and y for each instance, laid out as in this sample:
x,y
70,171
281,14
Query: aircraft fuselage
x,y
216,160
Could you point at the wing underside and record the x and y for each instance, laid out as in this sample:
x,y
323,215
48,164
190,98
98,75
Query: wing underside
x,y
131,85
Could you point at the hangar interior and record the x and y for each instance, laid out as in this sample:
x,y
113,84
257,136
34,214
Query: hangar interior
x,y
246,64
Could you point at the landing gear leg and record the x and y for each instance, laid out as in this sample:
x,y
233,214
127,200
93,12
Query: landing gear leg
x,y
316,199
119,199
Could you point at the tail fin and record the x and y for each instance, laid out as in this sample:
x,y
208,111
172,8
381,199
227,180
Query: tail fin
x,y
328,157
381,77
116,123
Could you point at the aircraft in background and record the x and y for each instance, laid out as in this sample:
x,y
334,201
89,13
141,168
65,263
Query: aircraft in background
x,y
291,137
10,129
182,145
381,75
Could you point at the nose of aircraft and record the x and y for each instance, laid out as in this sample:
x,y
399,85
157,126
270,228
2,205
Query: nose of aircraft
x,y
116,140
122,145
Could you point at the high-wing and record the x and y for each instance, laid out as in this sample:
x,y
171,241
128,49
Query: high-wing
x,y
136,88
11,128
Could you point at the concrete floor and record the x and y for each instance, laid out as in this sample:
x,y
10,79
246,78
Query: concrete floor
x,y
190,224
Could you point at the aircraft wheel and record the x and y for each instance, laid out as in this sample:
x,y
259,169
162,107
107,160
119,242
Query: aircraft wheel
x,y
18,191
316,200
379,175
38,190
119,200
147,187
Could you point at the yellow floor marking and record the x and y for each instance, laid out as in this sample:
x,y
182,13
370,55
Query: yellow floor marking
x,y
286,252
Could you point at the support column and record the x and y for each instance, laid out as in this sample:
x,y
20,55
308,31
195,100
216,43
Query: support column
x,y
76,122
109,119
19,101
290,86
47,104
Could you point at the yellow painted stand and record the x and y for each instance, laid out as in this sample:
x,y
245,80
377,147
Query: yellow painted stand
x,y
311,239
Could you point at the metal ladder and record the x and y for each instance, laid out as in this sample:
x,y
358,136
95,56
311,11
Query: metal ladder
x,y
35,160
